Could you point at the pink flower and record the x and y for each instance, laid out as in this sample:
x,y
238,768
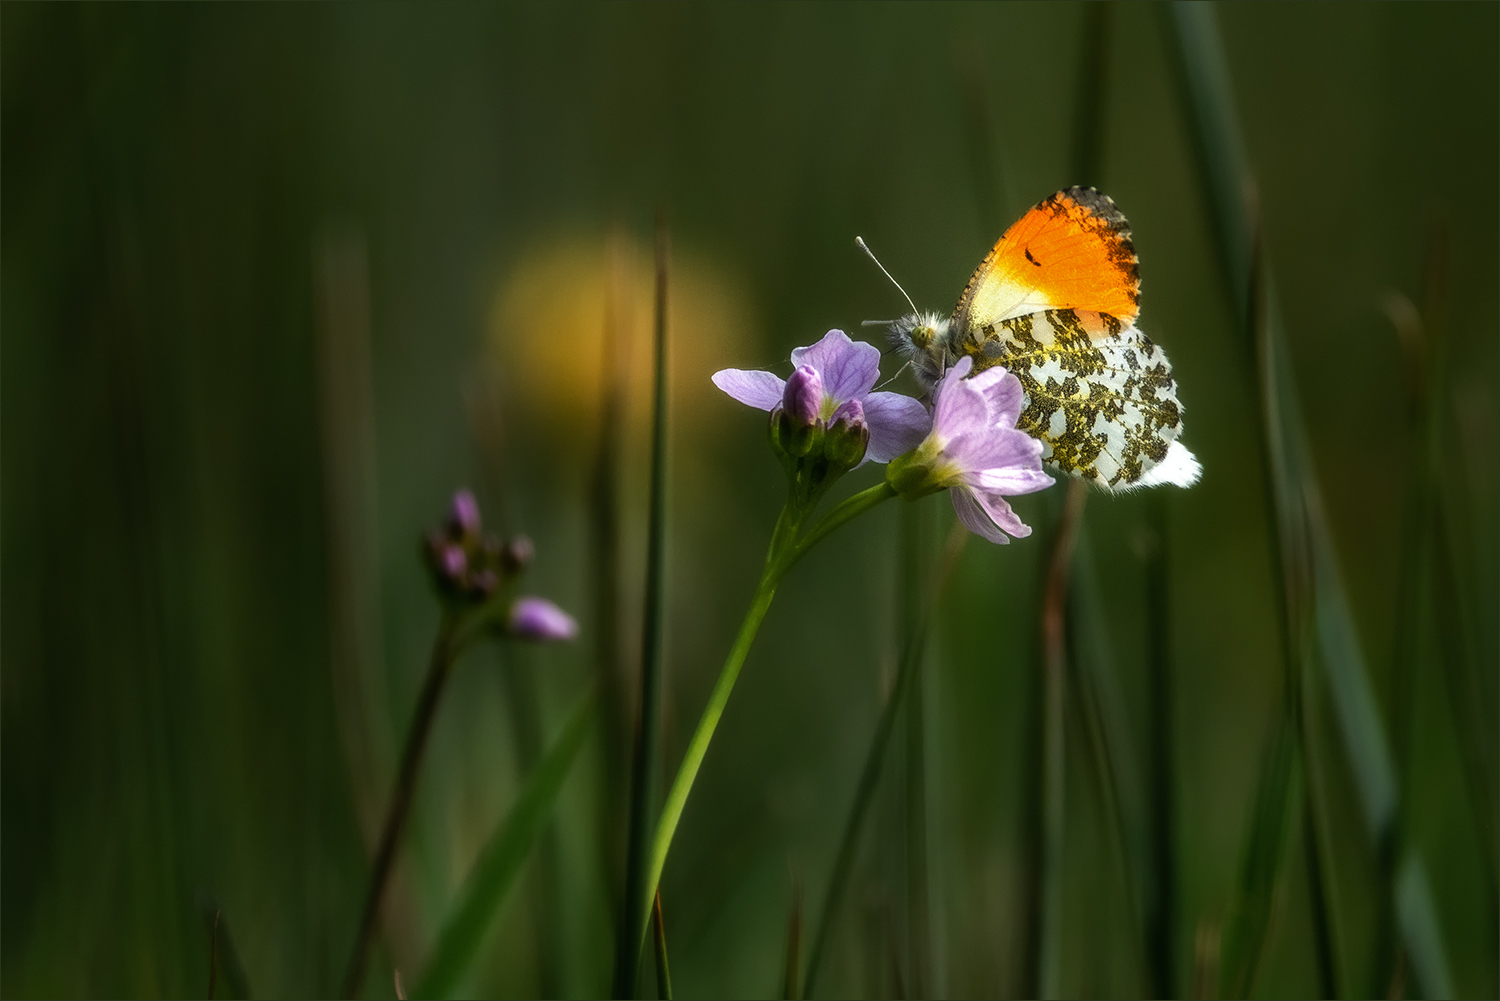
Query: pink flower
x,y
845,372
975,452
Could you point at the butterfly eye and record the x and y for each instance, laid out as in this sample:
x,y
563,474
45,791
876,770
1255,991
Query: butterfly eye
x,y
921,335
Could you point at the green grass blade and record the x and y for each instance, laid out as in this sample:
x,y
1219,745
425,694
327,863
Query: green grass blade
x,y
501,860
631,934
1216,137
1115,762
869,779
1245,934
1417,915
912,585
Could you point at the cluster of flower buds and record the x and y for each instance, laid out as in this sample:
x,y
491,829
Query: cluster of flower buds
x,y
468,563
469,566
817,437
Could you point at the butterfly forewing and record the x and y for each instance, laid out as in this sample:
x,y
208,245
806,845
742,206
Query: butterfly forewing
x,y
1072,251
1099,393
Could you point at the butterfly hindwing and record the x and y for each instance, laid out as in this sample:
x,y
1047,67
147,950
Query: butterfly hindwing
x,y
1071,251
1099,394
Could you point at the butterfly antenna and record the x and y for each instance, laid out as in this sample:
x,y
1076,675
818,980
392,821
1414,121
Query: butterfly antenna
x,y
860,242
893,378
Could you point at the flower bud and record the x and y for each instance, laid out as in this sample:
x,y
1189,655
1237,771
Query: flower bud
x,y
539,620
452,562
802,400
847,437
463,515
518,554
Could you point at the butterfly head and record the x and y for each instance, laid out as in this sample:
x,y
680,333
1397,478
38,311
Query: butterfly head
x,y
922,338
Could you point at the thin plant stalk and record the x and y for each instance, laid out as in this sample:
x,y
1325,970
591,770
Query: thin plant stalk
x,y
604,550
1100,706
439,667
226,975
648,733
659,936
869,779
1161,914
213,958
793,972
912,587
1054,741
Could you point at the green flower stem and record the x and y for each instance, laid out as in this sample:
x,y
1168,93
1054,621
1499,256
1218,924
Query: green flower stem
x,y
444,652
851,508
785,550
455,632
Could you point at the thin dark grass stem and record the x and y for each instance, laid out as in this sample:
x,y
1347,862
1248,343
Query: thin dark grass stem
x,y
1054,739
659,938
1312,850
912,586
1161,914
1108,763
213,957
648,733
1088,106
869,779
604,550
793,972
438,669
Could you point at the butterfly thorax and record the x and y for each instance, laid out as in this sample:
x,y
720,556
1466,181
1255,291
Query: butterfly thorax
x,y
923,340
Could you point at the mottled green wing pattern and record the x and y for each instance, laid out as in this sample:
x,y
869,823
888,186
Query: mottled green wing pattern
x,y
1099,393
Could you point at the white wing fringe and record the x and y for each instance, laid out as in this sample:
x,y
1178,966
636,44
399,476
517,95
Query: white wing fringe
x,y
1180,468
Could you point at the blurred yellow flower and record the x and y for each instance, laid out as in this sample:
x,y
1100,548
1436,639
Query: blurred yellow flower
x,y
550,312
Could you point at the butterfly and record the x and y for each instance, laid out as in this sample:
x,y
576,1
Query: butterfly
x,y
1055,302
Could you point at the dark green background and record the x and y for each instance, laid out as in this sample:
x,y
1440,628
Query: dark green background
x,y
169,177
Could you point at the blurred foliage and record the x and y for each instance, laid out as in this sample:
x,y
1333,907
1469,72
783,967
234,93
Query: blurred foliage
x,y
274,280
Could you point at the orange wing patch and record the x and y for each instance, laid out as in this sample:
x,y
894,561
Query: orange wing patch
x,y
1072,251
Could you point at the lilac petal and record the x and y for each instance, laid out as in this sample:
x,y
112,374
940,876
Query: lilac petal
x,y
752,387
995,448
960,410
1003,392
849,368
973,517
897,425
1010,481
997,509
